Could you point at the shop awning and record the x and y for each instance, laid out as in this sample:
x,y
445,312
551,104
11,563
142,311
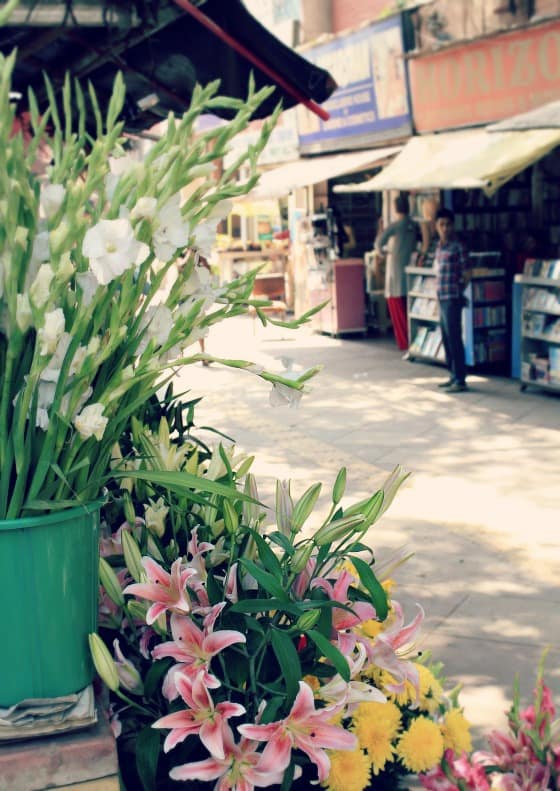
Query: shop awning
x,y
471,159
305,172
545,117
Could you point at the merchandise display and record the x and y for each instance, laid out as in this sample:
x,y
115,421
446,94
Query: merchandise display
x,y
484,314
539,319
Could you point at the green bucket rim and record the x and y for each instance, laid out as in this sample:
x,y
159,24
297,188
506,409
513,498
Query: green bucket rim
x,y
63,515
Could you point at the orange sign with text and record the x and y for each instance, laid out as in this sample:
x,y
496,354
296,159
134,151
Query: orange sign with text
x,y
486,80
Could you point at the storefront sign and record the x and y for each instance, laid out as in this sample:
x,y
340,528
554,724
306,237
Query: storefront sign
x,y
371,103
486,80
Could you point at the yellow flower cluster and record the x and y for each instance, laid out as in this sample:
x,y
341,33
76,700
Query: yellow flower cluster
x,y
384,739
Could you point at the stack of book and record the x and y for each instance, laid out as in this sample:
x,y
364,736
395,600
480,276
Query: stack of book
x,y
541,299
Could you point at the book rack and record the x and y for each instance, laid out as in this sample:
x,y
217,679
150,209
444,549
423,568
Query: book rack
x,y
484,316
540,325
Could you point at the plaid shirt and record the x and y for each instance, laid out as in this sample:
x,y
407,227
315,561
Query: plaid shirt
x,y
450,264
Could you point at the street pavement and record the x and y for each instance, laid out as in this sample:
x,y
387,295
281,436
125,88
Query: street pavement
x,y
481,511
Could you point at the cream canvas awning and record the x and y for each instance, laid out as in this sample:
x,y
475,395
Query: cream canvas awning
x,y
545,117
468,159
306,172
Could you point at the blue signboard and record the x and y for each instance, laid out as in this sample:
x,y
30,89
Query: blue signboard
x,y
371,103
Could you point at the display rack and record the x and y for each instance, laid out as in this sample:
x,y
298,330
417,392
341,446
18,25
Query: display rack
x,y
540,325
484,317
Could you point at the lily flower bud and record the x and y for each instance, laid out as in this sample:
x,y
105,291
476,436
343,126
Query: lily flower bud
x,y
284,507
129,676
110,583
132,556
339,529
103,661
304,506
339,486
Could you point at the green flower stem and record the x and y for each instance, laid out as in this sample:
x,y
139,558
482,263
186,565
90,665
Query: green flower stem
x,y
137,706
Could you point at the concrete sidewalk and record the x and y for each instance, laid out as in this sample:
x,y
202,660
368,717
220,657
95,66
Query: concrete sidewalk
x,y
481,511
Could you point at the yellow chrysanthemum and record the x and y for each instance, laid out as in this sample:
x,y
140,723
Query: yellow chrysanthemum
x,y
350,771
377,725
456,732
431,692
420,748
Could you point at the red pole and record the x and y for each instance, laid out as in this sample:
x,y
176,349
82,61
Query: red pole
x,y
238,47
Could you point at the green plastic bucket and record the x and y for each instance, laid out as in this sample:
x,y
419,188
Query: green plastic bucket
x,y
49,588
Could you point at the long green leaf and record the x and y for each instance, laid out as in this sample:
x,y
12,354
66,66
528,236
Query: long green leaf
x,y
288,659
265,605
147,755
267,556
183,482
331,653
265,580
373,587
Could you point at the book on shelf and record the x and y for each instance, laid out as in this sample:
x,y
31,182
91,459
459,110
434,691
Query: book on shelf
x,y
419,339
536,267
426,308
534,323
489,316
541,299
488,290
552,330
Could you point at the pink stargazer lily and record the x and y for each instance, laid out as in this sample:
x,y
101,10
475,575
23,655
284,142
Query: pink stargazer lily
x,y
241,768
194,648
342,619
305,728
167,591
202,718
390,647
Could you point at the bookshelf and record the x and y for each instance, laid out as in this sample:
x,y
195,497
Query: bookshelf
x,y
485,332
539,318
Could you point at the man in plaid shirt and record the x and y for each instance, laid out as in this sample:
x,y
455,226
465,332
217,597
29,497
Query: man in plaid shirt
x,y
450,264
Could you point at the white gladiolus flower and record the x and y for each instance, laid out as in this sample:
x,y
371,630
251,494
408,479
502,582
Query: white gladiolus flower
x,y
20,236
65,268
24,317
51,332
157,325
88,284
41,250
52,371
40,288
282,395
119,166
205,236
198,279
90,422
52,197
170,230
78,360
112,249
145,209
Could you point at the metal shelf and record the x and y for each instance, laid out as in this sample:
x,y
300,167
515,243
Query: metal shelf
x,y
542,385
545,338
424,318
542,310
421,294
528,280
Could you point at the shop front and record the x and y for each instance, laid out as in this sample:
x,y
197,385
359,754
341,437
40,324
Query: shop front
x,y
369,111
502,185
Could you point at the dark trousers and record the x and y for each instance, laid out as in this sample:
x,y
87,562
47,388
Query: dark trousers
x,y
450,311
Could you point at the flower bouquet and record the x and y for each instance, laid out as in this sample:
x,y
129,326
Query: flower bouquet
x,y
87,331
95,316
527,758
250,647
